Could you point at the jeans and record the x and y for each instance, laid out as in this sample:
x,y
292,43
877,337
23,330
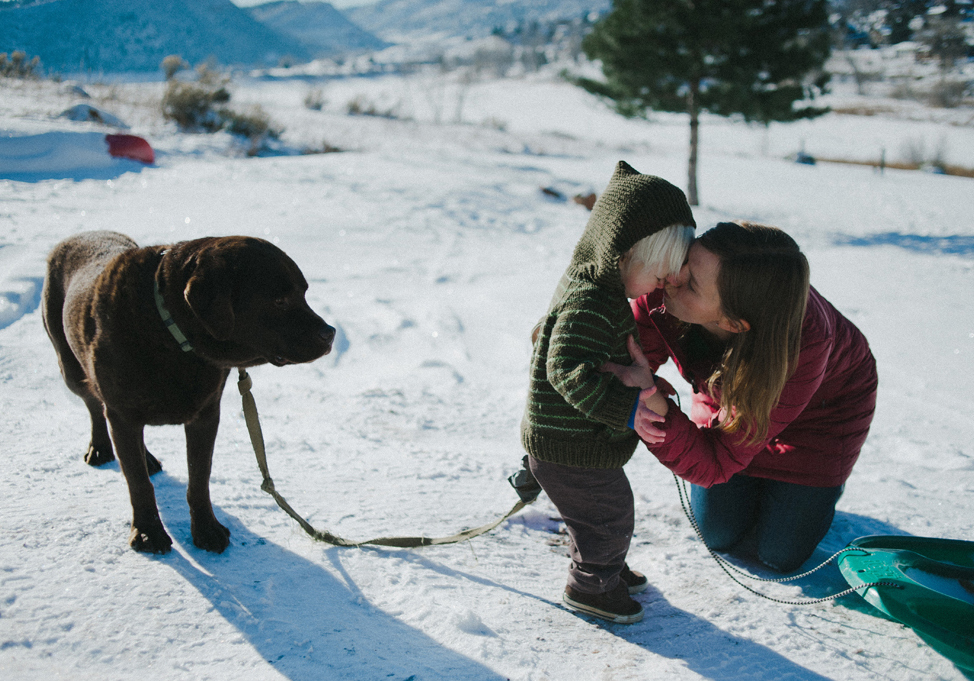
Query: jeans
x,y
599,512
788,520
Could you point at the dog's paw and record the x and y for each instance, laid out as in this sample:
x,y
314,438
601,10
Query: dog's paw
x,y
152,463
152,539
211,536
98,455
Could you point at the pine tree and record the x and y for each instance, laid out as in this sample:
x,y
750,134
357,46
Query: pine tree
x,y
756,58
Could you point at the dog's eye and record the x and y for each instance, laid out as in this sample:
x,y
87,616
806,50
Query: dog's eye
x,y
282,303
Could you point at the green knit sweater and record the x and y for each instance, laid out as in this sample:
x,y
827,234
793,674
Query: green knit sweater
x,y
577,415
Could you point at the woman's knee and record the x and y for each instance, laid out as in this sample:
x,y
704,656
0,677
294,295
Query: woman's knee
x,y
785,558
720,536
724,513
795,519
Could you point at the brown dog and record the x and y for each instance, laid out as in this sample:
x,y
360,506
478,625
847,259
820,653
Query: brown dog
x,y
147,336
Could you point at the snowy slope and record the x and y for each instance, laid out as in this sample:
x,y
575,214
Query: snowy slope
x,y
433,250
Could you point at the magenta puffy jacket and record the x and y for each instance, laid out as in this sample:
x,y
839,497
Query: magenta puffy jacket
x,y
816,430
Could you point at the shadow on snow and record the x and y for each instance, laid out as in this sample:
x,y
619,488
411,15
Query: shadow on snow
x,y
300,618
955,244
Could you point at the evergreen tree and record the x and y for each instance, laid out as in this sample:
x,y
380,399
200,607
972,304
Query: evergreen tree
x,y
900,15
756,58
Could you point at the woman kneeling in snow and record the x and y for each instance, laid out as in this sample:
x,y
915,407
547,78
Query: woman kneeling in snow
x,y
784,391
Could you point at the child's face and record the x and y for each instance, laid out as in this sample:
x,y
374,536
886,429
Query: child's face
x,y
637,280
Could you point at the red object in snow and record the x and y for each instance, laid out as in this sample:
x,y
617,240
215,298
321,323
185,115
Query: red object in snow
x,y
130,146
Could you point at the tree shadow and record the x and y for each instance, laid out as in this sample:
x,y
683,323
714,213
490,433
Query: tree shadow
x,y
703,648
954,244
305,622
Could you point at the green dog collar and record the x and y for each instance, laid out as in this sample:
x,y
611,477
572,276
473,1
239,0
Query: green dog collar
x,y
170,323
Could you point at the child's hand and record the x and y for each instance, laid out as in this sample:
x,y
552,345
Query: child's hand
x,y
646,420
637,374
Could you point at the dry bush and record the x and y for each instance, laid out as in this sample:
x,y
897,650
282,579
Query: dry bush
x,y
201,105
323,148
193,107
172,64
314,100
16,65
255,124
362,106
948,94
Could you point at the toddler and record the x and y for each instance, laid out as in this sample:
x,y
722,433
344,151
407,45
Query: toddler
x,y
577,427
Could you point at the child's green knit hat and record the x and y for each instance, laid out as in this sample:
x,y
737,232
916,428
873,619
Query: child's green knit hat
x,y
633,206
640,205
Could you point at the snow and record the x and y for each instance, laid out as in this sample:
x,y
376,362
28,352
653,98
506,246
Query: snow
x,y
58,155
432,249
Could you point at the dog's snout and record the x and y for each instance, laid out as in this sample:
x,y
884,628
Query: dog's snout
x,y
327,333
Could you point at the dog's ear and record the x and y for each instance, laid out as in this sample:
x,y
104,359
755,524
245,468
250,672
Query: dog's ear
x,y
208,294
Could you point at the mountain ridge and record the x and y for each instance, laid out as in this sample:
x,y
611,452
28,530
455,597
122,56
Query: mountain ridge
x,y
112,36
407,20
135,35
323,30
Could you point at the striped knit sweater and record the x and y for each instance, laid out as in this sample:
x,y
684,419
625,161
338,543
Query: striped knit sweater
x,y
575,414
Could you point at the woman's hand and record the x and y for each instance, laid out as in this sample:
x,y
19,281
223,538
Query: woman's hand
x,y
637,374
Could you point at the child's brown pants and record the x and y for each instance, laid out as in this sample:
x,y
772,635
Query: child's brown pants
x,y
597,507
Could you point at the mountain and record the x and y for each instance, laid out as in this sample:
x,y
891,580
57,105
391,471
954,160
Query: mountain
x,y
322,29
135,35
407,20
73,36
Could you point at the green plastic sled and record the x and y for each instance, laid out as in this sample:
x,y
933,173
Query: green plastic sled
x,y
930,587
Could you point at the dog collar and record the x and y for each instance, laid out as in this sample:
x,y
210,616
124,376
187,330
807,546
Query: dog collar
x,y
167,319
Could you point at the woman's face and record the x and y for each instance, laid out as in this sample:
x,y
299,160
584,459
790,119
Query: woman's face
x,y
694,298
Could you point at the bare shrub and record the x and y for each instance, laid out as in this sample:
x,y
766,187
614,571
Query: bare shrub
x,y
363,106
323,148
207,74
201,107
915,153
255,124
173,64
16,65
948,94
192,106
314,100
905,89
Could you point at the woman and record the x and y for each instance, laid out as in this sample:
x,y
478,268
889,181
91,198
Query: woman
x,y
784,391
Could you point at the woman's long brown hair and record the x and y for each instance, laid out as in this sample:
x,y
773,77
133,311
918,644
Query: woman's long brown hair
x,y
763,280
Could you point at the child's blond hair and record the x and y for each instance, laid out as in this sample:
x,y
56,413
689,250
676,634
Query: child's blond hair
x,y
665,251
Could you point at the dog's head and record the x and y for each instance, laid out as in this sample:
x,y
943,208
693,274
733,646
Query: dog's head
x,y
248,292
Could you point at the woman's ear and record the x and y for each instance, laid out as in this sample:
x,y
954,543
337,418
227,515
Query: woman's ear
x,y
733,325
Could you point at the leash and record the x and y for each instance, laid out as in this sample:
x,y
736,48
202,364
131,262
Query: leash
x,y
728,567
244,384
528,491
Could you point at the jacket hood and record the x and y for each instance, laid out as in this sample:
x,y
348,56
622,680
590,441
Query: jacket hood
x,y
632,207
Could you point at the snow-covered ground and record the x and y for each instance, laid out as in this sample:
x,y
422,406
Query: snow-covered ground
x,y
432,249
